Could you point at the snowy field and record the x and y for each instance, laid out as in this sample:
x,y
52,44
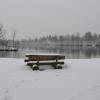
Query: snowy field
x,y
78,80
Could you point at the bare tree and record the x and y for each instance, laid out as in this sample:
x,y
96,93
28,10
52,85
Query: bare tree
x,y
14,35
2,36
1,32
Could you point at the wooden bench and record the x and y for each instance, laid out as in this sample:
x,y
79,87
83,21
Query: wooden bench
x,y
35,60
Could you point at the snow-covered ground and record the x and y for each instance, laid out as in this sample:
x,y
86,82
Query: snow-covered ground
x,y
78,80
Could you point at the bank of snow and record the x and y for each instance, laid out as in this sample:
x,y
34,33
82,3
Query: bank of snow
x,y
78,80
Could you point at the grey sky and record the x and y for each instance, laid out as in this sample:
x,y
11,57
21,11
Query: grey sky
x,y
32,18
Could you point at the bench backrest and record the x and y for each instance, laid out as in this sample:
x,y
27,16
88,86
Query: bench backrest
x,y
44,57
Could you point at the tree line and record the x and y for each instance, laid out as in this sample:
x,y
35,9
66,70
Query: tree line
x,y
88,36
68,39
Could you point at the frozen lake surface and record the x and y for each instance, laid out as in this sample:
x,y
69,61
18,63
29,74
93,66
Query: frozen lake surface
x,y
69,52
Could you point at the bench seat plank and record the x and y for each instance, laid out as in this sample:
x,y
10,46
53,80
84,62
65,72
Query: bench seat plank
x,y
45,63
44,57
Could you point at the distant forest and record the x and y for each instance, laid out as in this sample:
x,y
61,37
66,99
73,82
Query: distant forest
x,y
88,36
88,39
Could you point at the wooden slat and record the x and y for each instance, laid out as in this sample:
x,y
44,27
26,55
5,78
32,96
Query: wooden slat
x,y
26,60
45,63
41,55
44,57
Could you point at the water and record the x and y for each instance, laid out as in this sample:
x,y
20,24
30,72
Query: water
x,y
69,52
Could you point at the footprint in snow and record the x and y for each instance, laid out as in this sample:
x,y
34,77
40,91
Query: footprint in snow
x,y
6,91
96,86
16,86
70,98
22,82
6,95
57,75
7,98
36,80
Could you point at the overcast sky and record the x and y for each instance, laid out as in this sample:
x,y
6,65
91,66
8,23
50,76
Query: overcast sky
x,y
35,18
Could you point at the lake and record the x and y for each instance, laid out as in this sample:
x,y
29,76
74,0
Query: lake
x,y
70,52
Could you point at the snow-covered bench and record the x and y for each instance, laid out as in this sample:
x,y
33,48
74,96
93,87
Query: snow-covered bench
x,y
56,60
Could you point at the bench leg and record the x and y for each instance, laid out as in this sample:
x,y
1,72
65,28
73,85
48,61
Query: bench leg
x,y
57,66
54,66
35,67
